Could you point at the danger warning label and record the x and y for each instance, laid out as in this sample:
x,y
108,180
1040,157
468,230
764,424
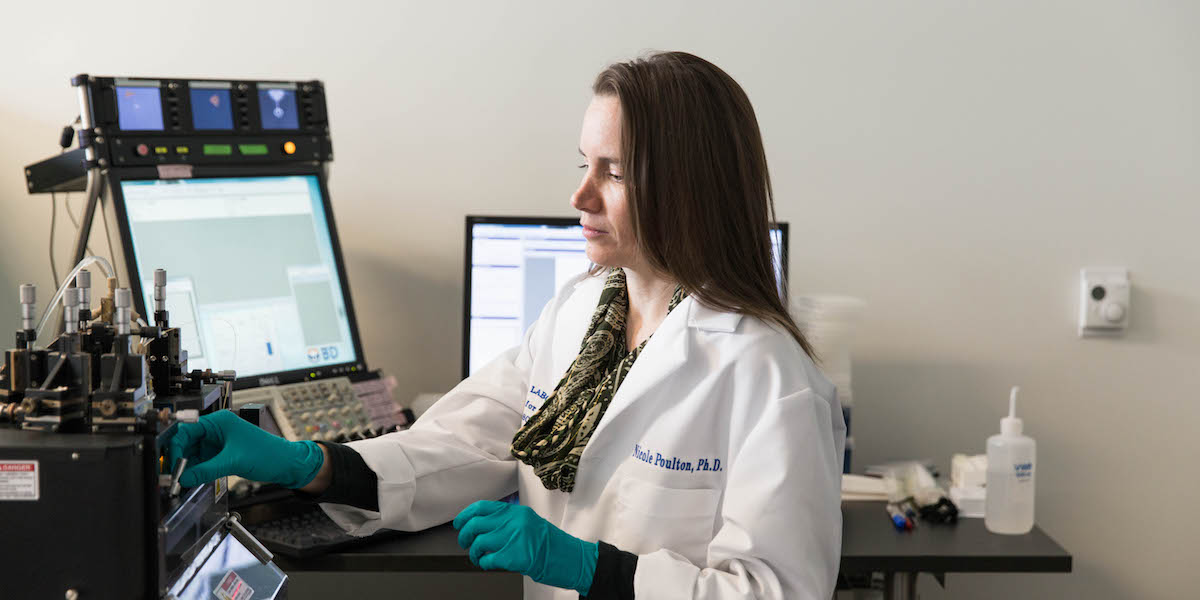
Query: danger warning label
x,y
19,480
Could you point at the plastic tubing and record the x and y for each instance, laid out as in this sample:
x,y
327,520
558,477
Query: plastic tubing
x,y
83,264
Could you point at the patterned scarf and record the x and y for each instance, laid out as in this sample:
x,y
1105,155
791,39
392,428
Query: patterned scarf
x,y
553,439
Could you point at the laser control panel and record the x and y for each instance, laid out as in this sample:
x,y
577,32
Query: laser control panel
x,y
148,121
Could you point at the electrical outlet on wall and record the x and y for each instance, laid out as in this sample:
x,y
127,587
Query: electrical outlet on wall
x,y
1103,301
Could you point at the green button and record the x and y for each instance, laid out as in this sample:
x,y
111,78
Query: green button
x,y
219,149
252,149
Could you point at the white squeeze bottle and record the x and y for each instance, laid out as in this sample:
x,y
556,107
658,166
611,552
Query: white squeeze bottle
x,y
1011,458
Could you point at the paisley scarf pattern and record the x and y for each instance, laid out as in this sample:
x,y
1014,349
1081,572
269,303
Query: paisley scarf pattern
x,y
553,438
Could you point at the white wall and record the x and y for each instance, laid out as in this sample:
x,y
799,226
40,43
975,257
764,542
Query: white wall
x,y
953,163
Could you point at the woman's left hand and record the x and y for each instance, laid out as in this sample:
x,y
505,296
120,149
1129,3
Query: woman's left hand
x,y
514,538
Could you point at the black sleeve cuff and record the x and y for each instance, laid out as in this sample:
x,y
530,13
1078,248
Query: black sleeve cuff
x,y
613,579
353,482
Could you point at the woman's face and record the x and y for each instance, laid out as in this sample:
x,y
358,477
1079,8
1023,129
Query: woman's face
x,y
607,225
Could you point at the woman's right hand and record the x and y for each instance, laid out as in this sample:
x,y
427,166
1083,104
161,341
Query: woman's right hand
x,y
223,443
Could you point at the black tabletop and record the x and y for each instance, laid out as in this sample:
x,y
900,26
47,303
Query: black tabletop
x,y
435,549
869,544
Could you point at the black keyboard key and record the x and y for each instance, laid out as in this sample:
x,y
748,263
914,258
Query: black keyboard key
x,y
308,534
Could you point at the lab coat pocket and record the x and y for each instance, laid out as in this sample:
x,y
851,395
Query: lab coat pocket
x,y
651,517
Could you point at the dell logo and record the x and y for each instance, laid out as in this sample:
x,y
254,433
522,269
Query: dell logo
x,y
273,380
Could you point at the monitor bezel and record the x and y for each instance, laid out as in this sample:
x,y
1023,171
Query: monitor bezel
x,y
472,220
784,243
116,176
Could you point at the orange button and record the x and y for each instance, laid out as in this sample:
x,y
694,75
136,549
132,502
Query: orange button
x,y
289,147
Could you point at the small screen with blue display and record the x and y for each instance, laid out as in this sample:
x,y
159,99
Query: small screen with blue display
x,y
211,109
277,108
139,109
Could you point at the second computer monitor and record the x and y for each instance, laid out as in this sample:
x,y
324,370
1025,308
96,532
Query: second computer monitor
x,y
515,265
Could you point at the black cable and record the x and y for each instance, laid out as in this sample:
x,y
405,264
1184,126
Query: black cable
x,y
64,142
53,216
75,221
70,213
112,256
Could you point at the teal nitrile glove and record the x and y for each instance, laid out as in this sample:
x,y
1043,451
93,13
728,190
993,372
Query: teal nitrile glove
x,y
223,443
511,537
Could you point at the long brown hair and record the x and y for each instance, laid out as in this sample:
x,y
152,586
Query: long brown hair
x,y
697,184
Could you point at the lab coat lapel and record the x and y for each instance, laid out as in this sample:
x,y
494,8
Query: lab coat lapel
x,y
665,353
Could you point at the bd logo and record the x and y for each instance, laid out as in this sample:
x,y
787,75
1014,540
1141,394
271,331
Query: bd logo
x,y
325,353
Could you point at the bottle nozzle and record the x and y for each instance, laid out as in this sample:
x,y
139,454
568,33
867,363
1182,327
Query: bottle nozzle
x,y
1011,425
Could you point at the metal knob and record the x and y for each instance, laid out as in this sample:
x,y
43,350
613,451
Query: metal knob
x,y
28,307
71,310
83,283
160,290
123,300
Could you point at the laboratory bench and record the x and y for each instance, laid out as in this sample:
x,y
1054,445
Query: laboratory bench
x,y
870,544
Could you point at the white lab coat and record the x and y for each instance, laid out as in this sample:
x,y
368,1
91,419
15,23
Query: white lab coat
x,y
713,389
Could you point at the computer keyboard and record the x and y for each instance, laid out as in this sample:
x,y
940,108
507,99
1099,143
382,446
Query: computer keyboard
x,y
308,533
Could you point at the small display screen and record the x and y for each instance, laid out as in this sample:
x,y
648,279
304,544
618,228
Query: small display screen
x,y
139,109
278,108
211,109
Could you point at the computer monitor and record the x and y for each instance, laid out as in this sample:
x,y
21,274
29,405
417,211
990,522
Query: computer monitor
x,y
255,279
515,265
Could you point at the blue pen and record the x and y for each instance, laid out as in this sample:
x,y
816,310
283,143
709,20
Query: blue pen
x,y
898,518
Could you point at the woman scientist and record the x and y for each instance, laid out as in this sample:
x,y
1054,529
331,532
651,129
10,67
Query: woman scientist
x,y
662,419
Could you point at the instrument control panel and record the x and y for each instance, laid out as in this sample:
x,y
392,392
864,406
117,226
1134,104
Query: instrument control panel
x,y
148,121
330,410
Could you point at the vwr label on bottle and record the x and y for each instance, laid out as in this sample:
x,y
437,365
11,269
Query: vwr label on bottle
x,y
1023,471
19,480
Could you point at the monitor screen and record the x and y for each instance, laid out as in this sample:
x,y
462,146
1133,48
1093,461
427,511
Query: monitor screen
x,y
211,108
277,107
252,279
516,266
139,108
